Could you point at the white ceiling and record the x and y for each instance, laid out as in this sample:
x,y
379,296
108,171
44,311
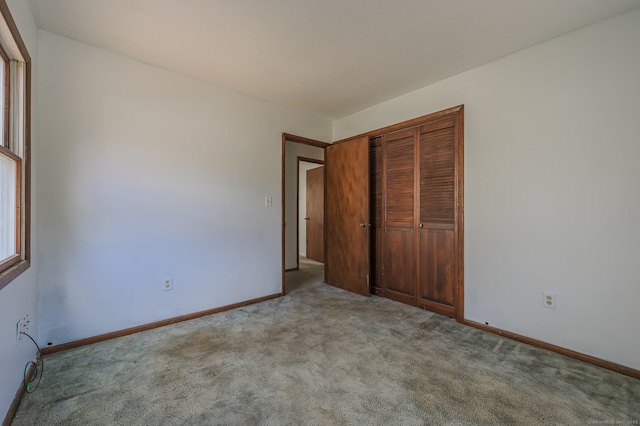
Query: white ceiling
x,y
327,57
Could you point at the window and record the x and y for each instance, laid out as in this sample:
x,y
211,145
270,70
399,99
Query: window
x,y
15,80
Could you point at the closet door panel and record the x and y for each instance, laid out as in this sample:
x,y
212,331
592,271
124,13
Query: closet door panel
x,y
400,182
437,176
400,277
437,266
399,233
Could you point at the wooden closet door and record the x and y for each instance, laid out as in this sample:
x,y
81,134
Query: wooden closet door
x,y
347,215
437,269
399,234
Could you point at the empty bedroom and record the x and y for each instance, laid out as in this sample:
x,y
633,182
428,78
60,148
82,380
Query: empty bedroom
x,y
297,212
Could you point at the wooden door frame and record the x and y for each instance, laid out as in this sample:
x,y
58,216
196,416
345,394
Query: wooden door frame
x,y
306,160
287,137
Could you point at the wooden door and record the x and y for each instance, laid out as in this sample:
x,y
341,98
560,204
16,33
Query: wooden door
x,y
347,215
315,214
438,169
399,224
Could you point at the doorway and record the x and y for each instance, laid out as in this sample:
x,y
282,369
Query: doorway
x,y
310,225
296,151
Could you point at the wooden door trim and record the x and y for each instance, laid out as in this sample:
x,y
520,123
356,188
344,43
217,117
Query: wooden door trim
x,y
416,211
405,125
459,211
305,141
308,160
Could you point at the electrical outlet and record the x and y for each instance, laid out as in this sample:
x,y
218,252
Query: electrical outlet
x,y
22,326
168,284
549,300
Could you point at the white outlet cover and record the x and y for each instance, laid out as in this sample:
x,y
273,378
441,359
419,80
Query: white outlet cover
x,y
22,326
549,300
168,284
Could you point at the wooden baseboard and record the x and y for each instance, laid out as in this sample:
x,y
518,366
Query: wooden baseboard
x,y
627,371
107,336
13,408
439,308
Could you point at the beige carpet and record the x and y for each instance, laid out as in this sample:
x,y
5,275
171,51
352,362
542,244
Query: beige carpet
x,y
322,356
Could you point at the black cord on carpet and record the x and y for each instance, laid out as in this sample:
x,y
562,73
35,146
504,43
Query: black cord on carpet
x,y
27,382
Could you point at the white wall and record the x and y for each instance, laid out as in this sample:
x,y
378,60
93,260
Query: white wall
x,y
302,204
552,165
20,296
293,150
146,174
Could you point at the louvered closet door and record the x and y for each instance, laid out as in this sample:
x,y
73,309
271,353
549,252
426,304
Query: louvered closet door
x,y
399,233
437,268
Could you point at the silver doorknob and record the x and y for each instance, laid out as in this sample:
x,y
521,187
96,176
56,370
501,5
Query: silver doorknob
x,y
421,225
363,225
